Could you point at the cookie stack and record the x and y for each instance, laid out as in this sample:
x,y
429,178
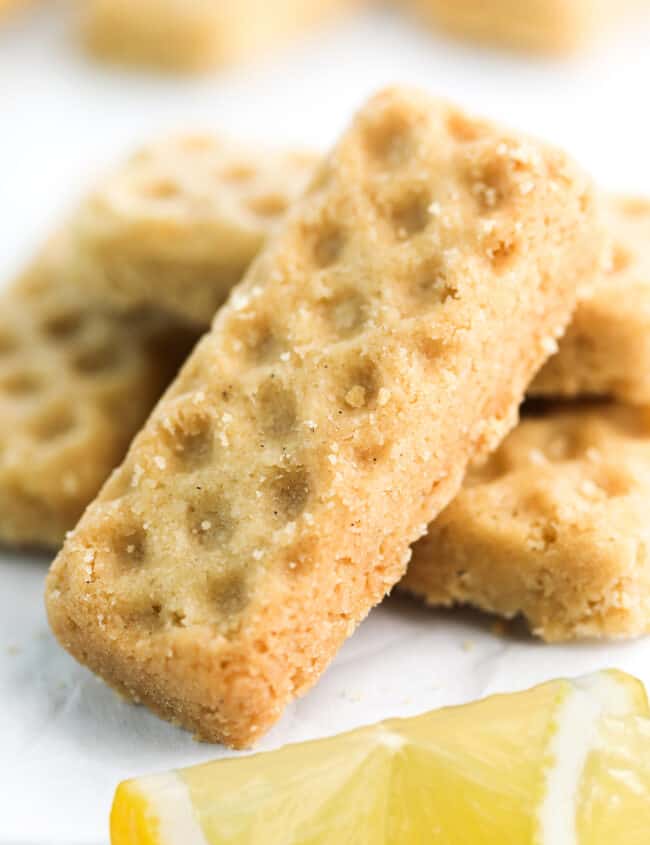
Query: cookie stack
x,y
345,413
373,356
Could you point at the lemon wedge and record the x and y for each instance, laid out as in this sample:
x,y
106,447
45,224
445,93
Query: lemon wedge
x,y
554,765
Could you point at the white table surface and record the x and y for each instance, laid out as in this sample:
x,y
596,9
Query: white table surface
x,y
65,739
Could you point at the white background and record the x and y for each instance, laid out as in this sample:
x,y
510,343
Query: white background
x,y
65,740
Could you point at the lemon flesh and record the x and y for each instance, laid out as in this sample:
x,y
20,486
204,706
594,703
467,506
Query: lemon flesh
x,y
614,803
541,767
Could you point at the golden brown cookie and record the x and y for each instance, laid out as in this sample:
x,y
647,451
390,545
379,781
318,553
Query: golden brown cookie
x,y
544,26
194,35
382,340
176,226
76,383
606,349
553,527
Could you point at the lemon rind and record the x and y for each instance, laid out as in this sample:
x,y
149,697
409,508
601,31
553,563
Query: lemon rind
x,y
159,807
588,700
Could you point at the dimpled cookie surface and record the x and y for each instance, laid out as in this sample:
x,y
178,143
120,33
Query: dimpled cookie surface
x,y
554,527
76,383
383,339
606,349
176,225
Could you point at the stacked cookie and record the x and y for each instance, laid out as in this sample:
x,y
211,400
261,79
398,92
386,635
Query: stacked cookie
x,y
77,381
554,525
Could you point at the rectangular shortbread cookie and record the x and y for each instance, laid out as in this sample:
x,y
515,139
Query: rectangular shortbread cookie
x,y
177,224
76,383
553,527
547,26
383,339
606,349
194,35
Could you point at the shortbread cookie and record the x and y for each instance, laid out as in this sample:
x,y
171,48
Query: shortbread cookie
x,y
547,26
76,383
177,225
383,339
194,35
606,350
553,527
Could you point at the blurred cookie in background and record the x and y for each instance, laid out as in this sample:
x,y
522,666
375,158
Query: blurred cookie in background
x,y
195,35
176,225
541,26
8,7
